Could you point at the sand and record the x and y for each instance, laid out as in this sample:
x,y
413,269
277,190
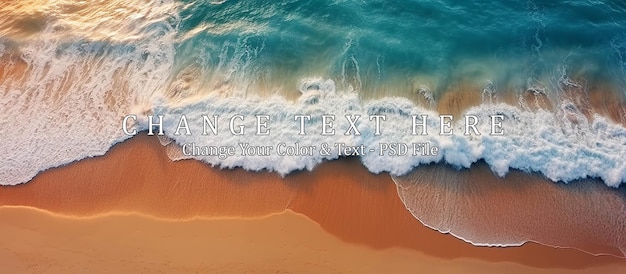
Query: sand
x,y
355,212
280,243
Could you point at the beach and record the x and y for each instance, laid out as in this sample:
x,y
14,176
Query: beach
x,y
292,136
136,209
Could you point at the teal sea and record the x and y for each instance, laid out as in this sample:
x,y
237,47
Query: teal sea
x,y
385,48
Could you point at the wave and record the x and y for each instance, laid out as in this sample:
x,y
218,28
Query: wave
x,y
64,89
564,144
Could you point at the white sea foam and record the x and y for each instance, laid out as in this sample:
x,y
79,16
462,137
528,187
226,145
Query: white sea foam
x,y
563,145
77,85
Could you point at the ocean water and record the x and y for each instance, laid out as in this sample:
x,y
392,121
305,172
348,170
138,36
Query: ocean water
x,y
555,70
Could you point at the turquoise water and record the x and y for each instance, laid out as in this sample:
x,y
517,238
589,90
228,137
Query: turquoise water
x,y
86,66
372,45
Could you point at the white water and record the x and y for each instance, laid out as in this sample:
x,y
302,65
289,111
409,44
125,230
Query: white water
x,y
83,72
563,145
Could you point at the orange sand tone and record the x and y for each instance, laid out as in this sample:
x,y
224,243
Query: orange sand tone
x,y
347,202
279,243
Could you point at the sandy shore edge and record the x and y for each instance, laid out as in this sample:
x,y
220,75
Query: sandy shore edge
x,y
342,197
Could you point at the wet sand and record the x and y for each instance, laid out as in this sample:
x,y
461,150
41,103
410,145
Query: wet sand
x,y
483,208
353,206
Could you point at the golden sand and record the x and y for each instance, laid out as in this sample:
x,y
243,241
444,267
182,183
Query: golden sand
x,y
288,242
359,210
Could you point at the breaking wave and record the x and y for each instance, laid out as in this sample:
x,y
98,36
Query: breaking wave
x,y
563,144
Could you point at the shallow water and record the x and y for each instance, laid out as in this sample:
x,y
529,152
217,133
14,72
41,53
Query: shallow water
x,y
486,210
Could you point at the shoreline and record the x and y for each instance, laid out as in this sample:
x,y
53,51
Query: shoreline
x,y
486,210
341,196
